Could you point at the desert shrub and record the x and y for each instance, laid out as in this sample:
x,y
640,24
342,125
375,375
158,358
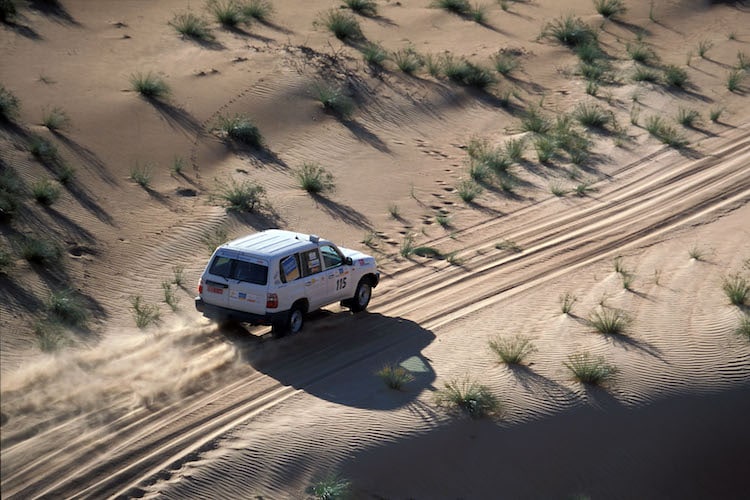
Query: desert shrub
x,y
715,114
394,211
569,30
342,24
594,71
513,350
42,149
509,246
178,275
591,115
643,74
588,369
374,54
467,73
395,376
609,321
170,297
149,85
444,220
627,279
362,7
428,252
242,196
55,119
240,128
11,191
514,149
674,76
697,252
610,8
257,9
461,7
687,117
190,25
744,327
641,53
703,47
315,179
478,13
8,104
333,99
534,121
506,63
737,289
7,260
142,174
734,79
433,64
227,13
468,190
7,10
64,306
407,60
407,245
743,61
545,147
468,396
144,314
50,336
590,52
567,301
42,252
178,165
482,152
331,487
479,172
45,192
666,133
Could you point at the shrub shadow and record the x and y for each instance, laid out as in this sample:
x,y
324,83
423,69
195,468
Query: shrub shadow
x,y
342,212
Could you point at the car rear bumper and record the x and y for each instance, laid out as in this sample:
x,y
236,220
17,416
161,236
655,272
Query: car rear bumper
x,y
219,313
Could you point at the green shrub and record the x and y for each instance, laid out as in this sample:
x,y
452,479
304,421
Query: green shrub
x,y
461,7
240,128
592,115
149,85
715,114
514,149
315,179
42,149
468,190
395,376
590,52
407,60
567,301
45,192
569,30
468,396
641,53
331,487
506,63
55,119
428,252
609,321
610,8
743,61
674,76
227,13
588,369
479,172
170,297
687,117
42,252
664,132
513,350
737,289
190,25
142,174
362,7
744,327
534,121
734,79
178,275
11,191
64,306
342,24
482,152
545,147
8,104
478,13
467,73
6,261
50,336
144,314
594,71
509,246
643,74
257,9
703,47
407,246
333,99
374,54
241,196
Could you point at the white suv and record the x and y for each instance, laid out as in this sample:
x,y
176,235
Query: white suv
x,y
275,277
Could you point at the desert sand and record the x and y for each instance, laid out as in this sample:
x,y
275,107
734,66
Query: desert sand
x,y
183,409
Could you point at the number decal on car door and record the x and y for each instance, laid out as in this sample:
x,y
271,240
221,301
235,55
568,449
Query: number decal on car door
x,y
341,283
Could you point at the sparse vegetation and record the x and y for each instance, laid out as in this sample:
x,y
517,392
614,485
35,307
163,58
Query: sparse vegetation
x,y
666,133
512,350
743,61
715,114
609,321
333,99
395,376
342,24
43,150
428,252
687,117
467,73
7,10
407,245
468,396
591,115
55,119
7,261
588,369
461,7
45,192
567,301
737,289
50,336
545,148
506,63
734,79
42,252
362,7
65,174
583,188
374,54
641,53
240,128
643,74
697,252
557,189
315,179
444,220
407,60
674,76
509,246
331,487
65,307
228,13
178,275
627,278
8,104
619,266
744,327
240,196
480,151
610,8
190,25
569,30
149,85
142,174
468,190
534,121
394,211
144,314
170,297
703,47
514,149
257,9
178,165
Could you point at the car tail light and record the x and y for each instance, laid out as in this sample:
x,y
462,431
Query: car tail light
x,y
200,287
272,301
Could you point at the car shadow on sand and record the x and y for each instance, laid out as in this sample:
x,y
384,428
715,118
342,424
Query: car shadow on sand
x,y
337,356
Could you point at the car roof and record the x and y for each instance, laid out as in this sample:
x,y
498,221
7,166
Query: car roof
x,y
272,243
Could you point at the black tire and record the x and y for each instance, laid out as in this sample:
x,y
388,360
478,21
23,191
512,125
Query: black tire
x,y
361,296
292,324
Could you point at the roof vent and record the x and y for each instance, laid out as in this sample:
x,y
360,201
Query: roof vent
x,y
314,238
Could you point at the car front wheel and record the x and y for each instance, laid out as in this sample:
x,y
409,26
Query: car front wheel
x,y
361,297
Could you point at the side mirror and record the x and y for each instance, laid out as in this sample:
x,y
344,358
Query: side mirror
x,y
348,261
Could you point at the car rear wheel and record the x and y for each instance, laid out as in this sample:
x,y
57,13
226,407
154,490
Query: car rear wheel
x,y
292,324
361,297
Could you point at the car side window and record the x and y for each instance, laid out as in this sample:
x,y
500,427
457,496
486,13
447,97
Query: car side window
x,y
331,257
221,266
289,268
310,262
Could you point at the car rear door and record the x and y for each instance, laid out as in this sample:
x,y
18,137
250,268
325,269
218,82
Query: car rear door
x,y
248,284
216,280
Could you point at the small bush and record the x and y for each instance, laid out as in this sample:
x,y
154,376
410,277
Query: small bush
x,y
331,487
467,73
481,152
627,279
506,63
50,336
45,192
362,7
592,115
534,121
240,128
687,117
407,246
241,196
545,148
674,76
394,211
468,396
315,179
642,74
170,297
333,99
715,114
744,327
407,60
743,61
149,85
703,47
737,289
641,53
6,261
609,321
178,275
64,306
142,174
734,79
567,301
514,149
144,314
514,350
468,190
478,14
593,72
342,24
591,53
479,172
55,119
43,252
8,104
257,9
664,132
428,252
610,8
588,369
509,246
42,149
395,376
190,25
374,54
227,13
569,30
461,7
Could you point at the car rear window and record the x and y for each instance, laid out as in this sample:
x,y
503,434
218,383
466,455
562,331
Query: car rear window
x,y
248,272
